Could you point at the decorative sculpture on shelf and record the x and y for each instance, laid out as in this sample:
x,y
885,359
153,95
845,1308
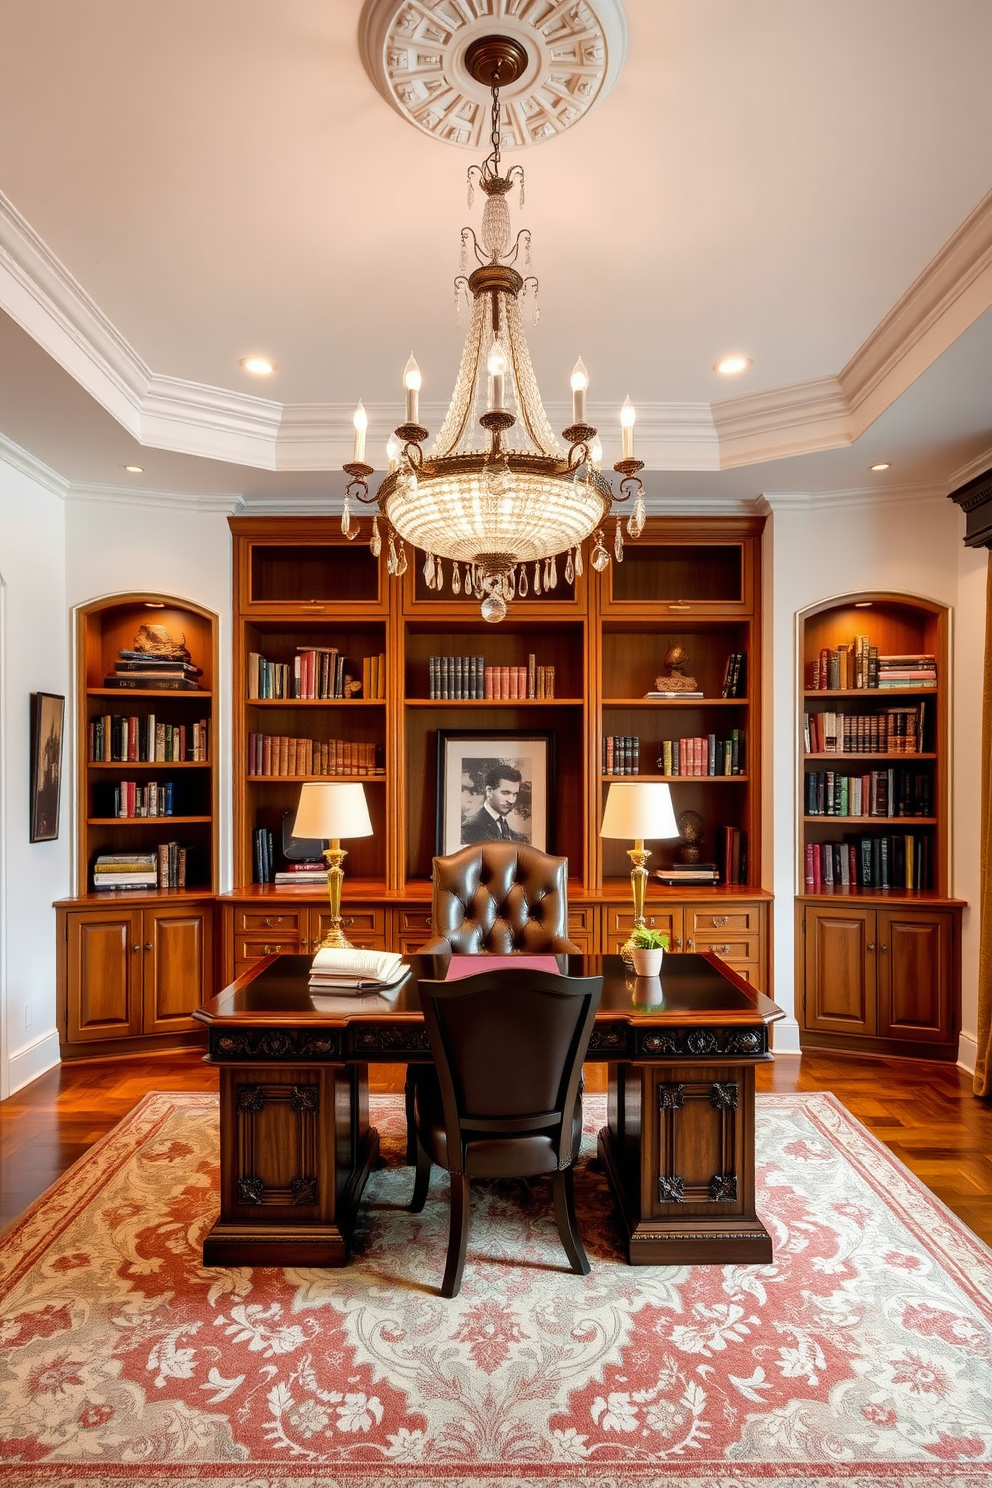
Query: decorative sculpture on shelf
x,y
675,679
692,833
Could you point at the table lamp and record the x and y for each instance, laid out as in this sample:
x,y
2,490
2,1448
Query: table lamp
x,y
330,810
638,809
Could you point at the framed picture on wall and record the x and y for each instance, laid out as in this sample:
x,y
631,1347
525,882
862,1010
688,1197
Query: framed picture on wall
x,y
494,785
47,722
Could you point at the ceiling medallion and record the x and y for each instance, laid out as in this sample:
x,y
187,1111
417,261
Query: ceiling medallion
x,y
496,494
418,52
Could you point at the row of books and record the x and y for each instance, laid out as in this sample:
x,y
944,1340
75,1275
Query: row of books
x,y
731,853
306,871
263,856
155,798
892,792
165,868
140,672
114,737
621,754
859,666
703,754
897,860
470,678
315,674
283,754
894,731
735,676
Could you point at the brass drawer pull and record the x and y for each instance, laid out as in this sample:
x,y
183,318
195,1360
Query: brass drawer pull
x,y
689,944
271,921
148,945
717,920
871,945
720,950
272,950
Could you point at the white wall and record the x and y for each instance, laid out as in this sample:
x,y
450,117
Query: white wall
x,y
115,546
824,547
33,635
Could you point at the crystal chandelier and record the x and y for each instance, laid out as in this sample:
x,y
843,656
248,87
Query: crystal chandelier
x,y
501,507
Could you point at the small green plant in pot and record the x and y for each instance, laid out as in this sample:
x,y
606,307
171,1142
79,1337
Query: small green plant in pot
x,y
647,948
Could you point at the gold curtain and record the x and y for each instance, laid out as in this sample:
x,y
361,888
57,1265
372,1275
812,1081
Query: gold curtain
x,y
983,1065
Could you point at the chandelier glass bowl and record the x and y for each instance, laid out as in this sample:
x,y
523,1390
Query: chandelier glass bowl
x,y
496,494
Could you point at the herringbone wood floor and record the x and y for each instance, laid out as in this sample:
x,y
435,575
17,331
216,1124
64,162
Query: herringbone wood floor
x,y
926,1114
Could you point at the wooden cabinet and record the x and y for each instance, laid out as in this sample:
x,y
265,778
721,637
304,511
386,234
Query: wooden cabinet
x,y
734,929
693,584
878,934
130,975
883,980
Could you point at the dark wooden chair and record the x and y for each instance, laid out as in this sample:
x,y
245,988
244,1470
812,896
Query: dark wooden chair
x,y
503,1098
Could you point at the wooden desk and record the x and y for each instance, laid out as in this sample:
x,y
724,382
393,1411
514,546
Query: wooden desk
x,y
678,1147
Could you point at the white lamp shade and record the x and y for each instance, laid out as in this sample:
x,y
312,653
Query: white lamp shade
x,y
332,809
638,810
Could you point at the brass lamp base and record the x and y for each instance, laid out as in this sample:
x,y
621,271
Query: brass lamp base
x,y
638,855
335,939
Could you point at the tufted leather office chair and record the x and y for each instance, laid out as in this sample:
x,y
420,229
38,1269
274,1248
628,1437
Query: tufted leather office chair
x,y
499,897
499,1105
496,898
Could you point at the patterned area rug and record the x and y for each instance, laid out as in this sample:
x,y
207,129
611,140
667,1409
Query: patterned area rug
x,y
862,1356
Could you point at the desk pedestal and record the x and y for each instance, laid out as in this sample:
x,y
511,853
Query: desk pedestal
x,y
678,1151
296,1149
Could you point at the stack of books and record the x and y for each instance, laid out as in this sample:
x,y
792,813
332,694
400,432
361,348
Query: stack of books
x,y
306,871
145,673
915,670
689,873
171,866
356,970
125,871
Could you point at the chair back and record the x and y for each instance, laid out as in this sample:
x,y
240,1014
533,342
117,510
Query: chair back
x,y
500,897
508,1049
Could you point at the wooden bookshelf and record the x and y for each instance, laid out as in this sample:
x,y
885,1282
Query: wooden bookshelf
x,y
133,964
694,583
878,934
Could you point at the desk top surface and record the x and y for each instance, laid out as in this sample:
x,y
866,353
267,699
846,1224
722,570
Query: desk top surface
x,y
697,988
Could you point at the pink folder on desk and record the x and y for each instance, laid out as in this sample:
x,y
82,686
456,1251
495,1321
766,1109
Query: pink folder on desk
x,y
463,966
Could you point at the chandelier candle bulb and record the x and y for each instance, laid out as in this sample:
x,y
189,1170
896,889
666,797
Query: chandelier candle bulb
x,y
361,423
580,382
496,366
627,416
411,381
393,448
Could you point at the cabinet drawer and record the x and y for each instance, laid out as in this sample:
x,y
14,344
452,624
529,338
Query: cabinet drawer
x,y
365,928
264,921
251,947
621,921
416,922
581,922
703,921
729,947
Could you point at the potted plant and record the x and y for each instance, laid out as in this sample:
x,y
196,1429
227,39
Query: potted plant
x,y
647,948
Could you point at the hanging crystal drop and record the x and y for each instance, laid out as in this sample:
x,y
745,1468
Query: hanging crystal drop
x,y
569,569
521,188
375,541
600,557
522,584
429,570
401,563
554,571
618,542
438,576
537,579
456,583
391,556
468,580
511,584
471,188
466,237
493,608
345,515
579,570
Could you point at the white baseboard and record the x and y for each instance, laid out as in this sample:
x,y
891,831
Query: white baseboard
x,y
27,1064
786,1037
968,1052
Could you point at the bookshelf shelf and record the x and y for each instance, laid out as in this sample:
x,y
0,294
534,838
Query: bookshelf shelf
x,y
878,962
136,694
685,779
144,821
437,703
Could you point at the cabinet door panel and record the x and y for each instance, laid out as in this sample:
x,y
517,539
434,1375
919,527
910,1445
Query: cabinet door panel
x,y
177,966
915,975
840,970
104,975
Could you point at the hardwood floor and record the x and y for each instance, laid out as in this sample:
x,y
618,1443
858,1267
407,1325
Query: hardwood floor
x,y
926,1114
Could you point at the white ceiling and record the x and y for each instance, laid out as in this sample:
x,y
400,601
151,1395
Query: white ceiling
x,y
185,183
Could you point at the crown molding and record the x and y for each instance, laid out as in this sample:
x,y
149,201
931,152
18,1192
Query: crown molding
x,y
863,496
782,421
36,470
951,293
974,468
227,502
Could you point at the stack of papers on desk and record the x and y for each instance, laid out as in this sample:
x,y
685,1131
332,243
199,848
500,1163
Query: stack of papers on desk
x,y
356,971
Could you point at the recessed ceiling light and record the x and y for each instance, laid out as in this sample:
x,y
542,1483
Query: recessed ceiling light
x,y
730,365
135,469
882,465
260,365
